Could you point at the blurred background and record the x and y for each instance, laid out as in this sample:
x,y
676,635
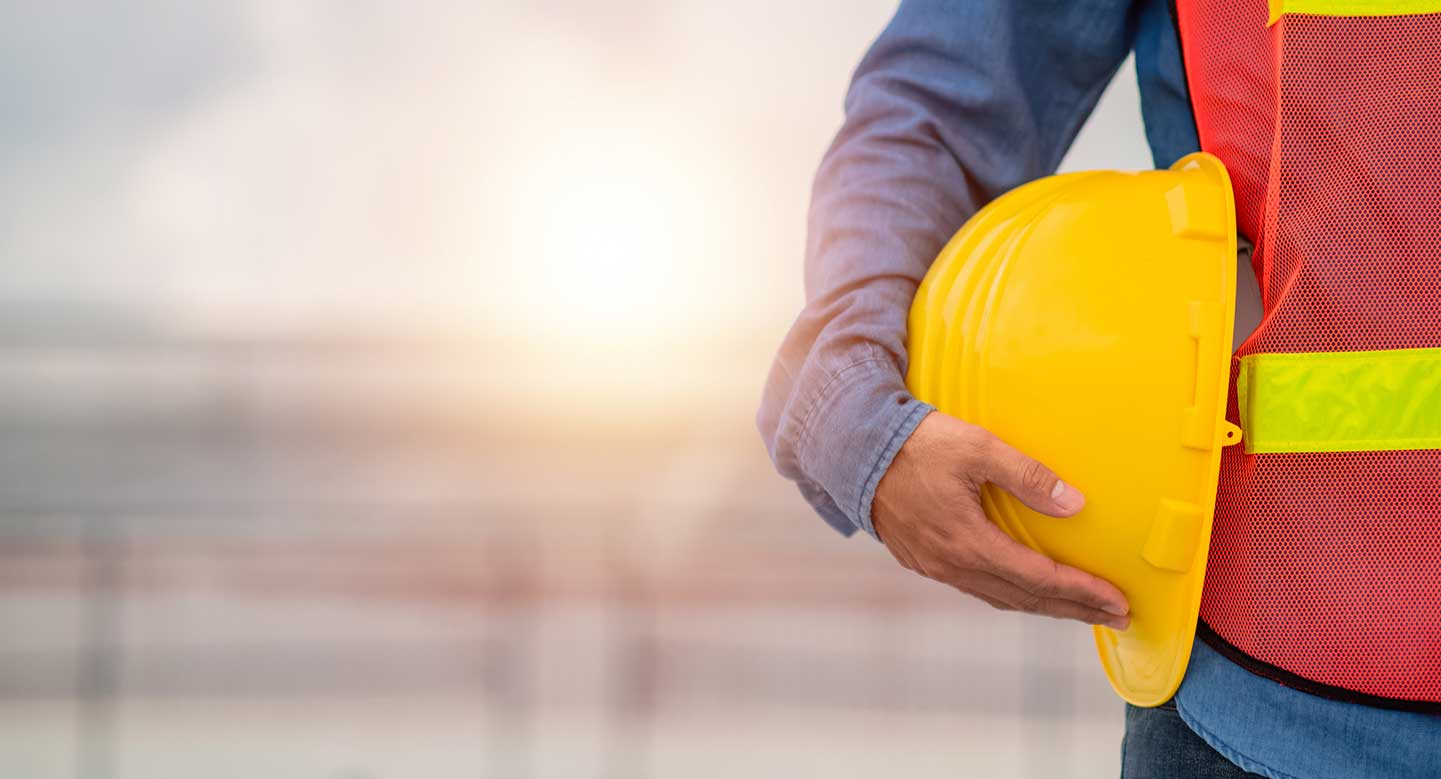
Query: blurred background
x,y
376,384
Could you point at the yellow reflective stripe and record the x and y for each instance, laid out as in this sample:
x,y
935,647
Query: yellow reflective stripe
x,y
1341,401
1353,7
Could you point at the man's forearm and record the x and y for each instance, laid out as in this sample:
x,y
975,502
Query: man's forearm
x,y
943,114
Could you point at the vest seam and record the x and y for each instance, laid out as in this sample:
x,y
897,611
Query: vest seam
x,y
1342,445
1310,686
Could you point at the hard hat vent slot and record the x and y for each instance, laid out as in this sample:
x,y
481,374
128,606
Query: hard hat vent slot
x,y
1174,537
1199,426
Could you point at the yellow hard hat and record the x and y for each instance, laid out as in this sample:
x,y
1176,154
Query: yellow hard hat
x,y
1086,320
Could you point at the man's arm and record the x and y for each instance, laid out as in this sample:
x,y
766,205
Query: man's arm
x,y
954,104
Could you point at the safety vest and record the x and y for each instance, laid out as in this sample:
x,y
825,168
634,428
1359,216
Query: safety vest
x,y
1325,562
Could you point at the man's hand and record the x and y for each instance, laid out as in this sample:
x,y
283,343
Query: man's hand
x,y
927,511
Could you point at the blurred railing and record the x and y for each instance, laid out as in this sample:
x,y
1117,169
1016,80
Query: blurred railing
x,y
354,543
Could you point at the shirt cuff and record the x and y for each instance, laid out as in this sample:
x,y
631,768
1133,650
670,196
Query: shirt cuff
x,y
850,437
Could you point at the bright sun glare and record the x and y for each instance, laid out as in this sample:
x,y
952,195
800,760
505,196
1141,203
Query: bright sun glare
x,y
603,226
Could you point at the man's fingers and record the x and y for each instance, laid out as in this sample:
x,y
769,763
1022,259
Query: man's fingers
x,y
1065,609
1029,480
993,602
1007,596
1045,578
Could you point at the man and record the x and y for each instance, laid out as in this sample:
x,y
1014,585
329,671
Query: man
x,y
1326,552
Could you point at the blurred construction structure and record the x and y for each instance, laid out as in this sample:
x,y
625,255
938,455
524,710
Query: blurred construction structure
x,y
376,395
335,558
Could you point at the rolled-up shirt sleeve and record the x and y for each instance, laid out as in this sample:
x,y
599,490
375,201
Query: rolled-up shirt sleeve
x,y
954,104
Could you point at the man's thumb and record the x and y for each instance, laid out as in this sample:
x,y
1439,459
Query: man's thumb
x,y
1032,482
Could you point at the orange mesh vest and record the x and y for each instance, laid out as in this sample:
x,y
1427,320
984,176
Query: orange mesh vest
x,y
1325,563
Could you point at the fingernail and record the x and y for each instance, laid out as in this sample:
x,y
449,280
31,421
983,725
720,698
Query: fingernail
x,y
1067,497
1119,611
1119,624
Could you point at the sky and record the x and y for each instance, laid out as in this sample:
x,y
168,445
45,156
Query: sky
x,y
608,177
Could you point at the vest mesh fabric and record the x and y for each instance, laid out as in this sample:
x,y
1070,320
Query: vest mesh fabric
x,y
1327,566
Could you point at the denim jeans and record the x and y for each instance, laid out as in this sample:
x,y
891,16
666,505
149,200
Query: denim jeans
x,y
1159,745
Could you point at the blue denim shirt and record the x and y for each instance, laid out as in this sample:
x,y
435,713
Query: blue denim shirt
x,y
954,104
